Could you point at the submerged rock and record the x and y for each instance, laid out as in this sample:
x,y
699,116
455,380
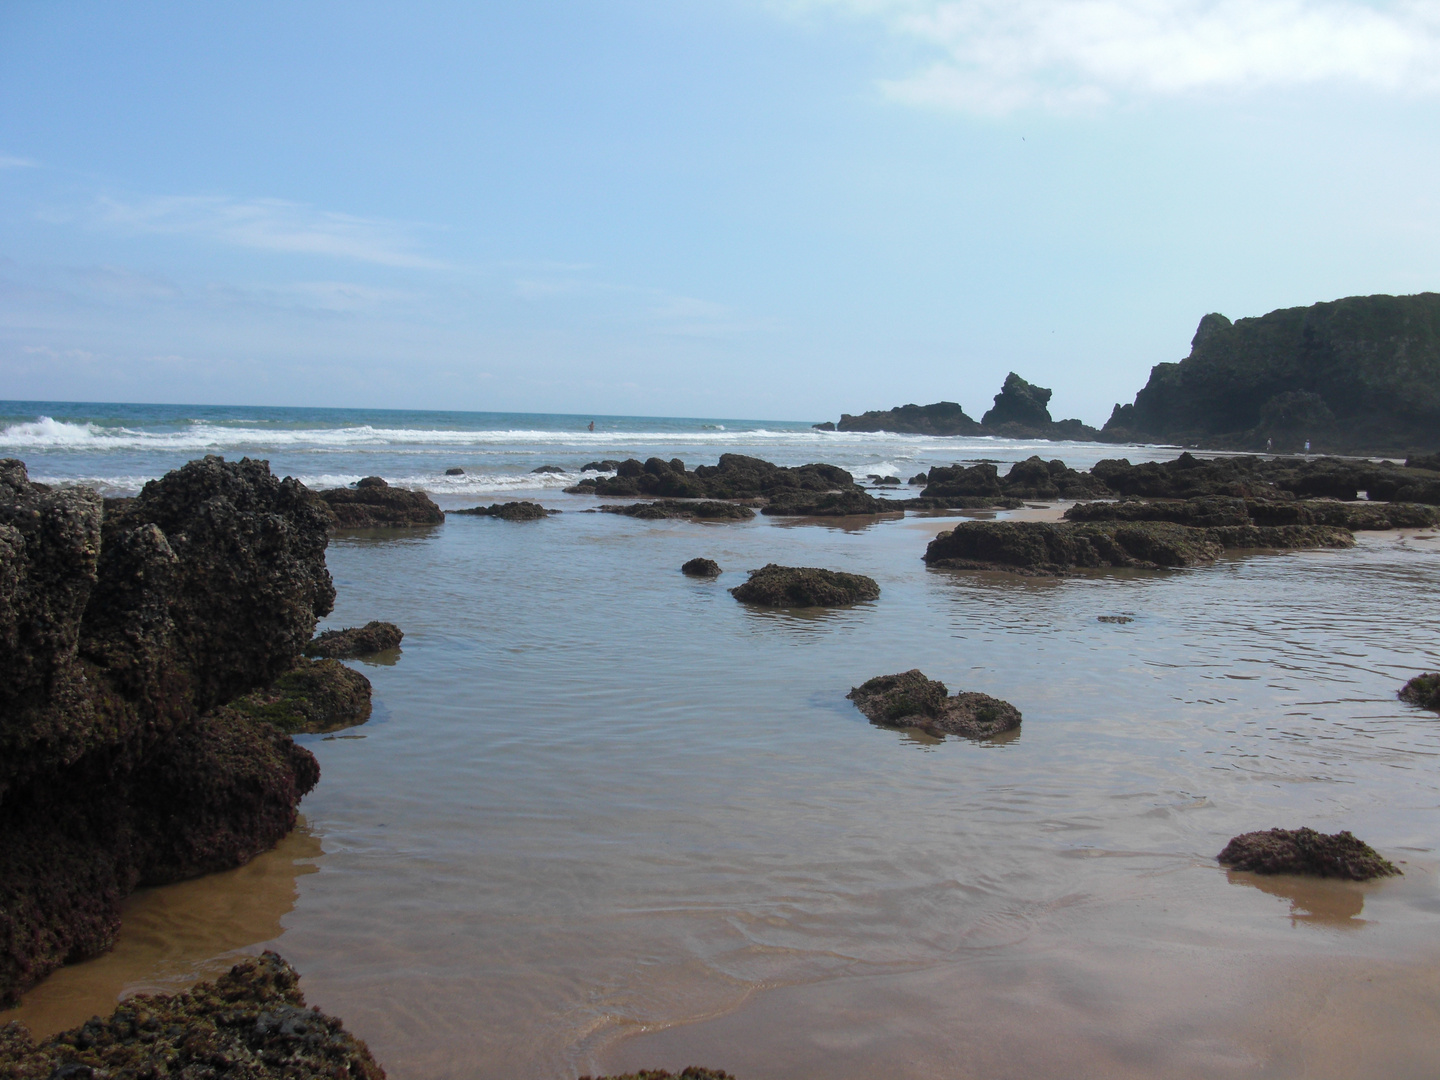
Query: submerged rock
x,y
805,586
314,696
250,1023
704,510
1305,851
701,568
909,699
509,511
1423,690
375,636
373,504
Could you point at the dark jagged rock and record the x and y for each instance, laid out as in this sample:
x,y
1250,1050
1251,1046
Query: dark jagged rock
x,y
702,510
911,700
828,504
374,504
804,586
548,470
1353,375
1429,462
1305,851
958,502
509,511
1035,478
828,425
883,481
735,477
1217,510
454,470
941,418
1052,548
1046,549
974,481
1268,478
375,636
314,696
608,465
919,480
701,568
126,625
1019,402
250,1023
1423,690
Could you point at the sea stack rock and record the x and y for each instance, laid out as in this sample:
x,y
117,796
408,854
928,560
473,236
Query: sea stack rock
x,y
909,699
1305,851
804,586
1019,402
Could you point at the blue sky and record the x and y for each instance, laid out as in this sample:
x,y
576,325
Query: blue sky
x,y
748,208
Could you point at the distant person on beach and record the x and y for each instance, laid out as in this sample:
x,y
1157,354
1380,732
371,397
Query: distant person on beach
x,y
592,428
1307,446
1269,445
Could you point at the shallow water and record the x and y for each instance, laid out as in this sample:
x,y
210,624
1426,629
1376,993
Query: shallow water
x,y
607,816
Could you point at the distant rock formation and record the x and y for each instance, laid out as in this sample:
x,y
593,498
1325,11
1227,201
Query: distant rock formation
x,y
1020,411
1356,375
374,504
508,511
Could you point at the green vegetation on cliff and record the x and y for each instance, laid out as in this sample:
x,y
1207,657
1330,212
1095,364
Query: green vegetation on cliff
x,y
1360,374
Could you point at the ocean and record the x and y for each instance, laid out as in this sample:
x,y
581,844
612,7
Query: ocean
x,y
606,817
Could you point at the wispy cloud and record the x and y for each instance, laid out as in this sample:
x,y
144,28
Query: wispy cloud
x,y
997,56
9,162
269,225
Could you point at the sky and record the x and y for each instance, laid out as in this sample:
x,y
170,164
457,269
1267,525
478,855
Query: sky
x,y
767,209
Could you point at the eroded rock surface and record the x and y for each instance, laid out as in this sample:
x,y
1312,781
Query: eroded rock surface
x,y
736,476
314,696
707,568
909,699
127,626
699,510
375,636
374,504
805,586
1305,851
249,1024
509,511
1423,690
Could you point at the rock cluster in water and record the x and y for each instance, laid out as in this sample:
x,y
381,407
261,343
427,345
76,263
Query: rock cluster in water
x,y
351,642
909,699
1423,690
374,504
249,1024
1305,851
508,511
804,586
129,626
1053,548
698,509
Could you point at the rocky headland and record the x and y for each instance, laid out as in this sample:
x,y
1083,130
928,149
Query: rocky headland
x,y
805,586
134,629
909,699
1305,851
249,1024
374,504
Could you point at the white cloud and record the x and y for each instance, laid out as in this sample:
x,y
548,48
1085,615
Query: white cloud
x,y
996,56
269,225
8,162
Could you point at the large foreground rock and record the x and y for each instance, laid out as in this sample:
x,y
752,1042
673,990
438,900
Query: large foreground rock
x,y
1052,548
1423,690
373,504
804,586
249,1024
1305,851
127,627
909,699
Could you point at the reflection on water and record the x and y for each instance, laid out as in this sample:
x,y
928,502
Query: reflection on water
x,y
612,817
1317,900
172,937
